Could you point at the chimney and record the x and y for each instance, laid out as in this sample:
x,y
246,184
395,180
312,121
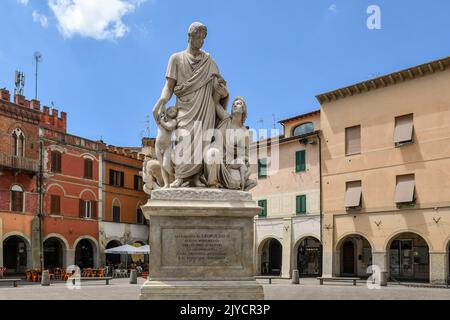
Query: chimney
x,y
46,111
20,100
4,95
35,104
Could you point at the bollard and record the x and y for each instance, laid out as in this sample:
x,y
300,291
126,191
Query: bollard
x,y
383,278
133,276
45,278
295,277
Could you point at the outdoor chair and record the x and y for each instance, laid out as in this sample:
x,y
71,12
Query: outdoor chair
x,y
101,273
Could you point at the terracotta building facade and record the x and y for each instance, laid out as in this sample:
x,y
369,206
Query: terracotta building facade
x,y
19,170
386,182
72,202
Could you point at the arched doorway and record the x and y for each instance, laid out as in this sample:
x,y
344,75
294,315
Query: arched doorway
x,y
355,256
15,255
84,254
409,258
271,257
53,253
113,258
309,257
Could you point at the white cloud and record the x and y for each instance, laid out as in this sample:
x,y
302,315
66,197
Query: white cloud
x,y
42,19
23,2
98,19
332,8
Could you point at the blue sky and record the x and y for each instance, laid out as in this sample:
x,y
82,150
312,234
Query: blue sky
x,y
104,61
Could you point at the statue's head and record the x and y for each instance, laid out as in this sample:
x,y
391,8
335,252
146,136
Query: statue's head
x,y
239,107
197,34
172,112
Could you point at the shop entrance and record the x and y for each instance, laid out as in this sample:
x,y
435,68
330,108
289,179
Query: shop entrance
x,y
355,254
84,254
309,257
409,258
14,255
271,257
53,254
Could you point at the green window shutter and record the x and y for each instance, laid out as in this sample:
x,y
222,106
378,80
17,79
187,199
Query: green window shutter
x,y
262,168
300,204
263,204
300,161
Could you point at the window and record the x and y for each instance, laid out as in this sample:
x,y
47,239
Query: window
x,y
263,204
116,178
300,204
140,217
17,198
300,161
88,168
18,142
56,162
302,129
404,190
353,194
353,140
88,209
55,207
262,168
116,214
403,133
138,183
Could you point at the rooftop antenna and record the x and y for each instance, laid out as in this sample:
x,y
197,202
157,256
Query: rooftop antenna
x,y
274,121
19,82
260,126
37,59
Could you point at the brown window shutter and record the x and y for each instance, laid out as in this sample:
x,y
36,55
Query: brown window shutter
x,y
53,155
81,208
404,190
111,177
353,140
122,179
136,182
94,209
55,204
353,194
86,174
403,128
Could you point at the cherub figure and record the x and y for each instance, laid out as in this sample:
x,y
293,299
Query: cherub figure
x,y
167,122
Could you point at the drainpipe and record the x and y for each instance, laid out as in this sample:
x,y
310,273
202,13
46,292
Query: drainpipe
x,y
320,187
40,209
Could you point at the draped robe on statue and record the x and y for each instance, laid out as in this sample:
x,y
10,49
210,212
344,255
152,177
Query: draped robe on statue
x,y
196,109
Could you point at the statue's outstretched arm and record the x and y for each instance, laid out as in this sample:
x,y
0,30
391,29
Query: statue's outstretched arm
x,y
166,94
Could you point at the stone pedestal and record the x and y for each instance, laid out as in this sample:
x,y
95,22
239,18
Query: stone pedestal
x,y
201,245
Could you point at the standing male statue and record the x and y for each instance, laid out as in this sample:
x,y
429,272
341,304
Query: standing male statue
x,y
191,75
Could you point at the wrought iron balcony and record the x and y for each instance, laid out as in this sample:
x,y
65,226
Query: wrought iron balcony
x,y
9,161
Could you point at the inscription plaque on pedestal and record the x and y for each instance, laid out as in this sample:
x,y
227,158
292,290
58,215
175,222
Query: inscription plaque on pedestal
x,y
201,247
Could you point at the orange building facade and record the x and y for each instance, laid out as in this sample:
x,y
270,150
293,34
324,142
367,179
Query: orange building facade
x,y
123,195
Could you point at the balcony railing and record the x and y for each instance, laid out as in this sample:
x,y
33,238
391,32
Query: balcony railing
x,y
18,163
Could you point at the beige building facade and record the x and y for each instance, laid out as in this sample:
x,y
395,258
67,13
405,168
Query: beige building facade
x,y
287,232
386,175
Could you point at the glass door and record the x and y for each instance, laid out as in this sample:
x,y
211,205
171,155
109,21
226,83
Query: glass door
x,y
406,259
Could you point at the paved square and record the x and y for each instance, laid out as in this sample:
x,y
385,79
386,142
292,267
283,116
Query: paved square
x,y
309,289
